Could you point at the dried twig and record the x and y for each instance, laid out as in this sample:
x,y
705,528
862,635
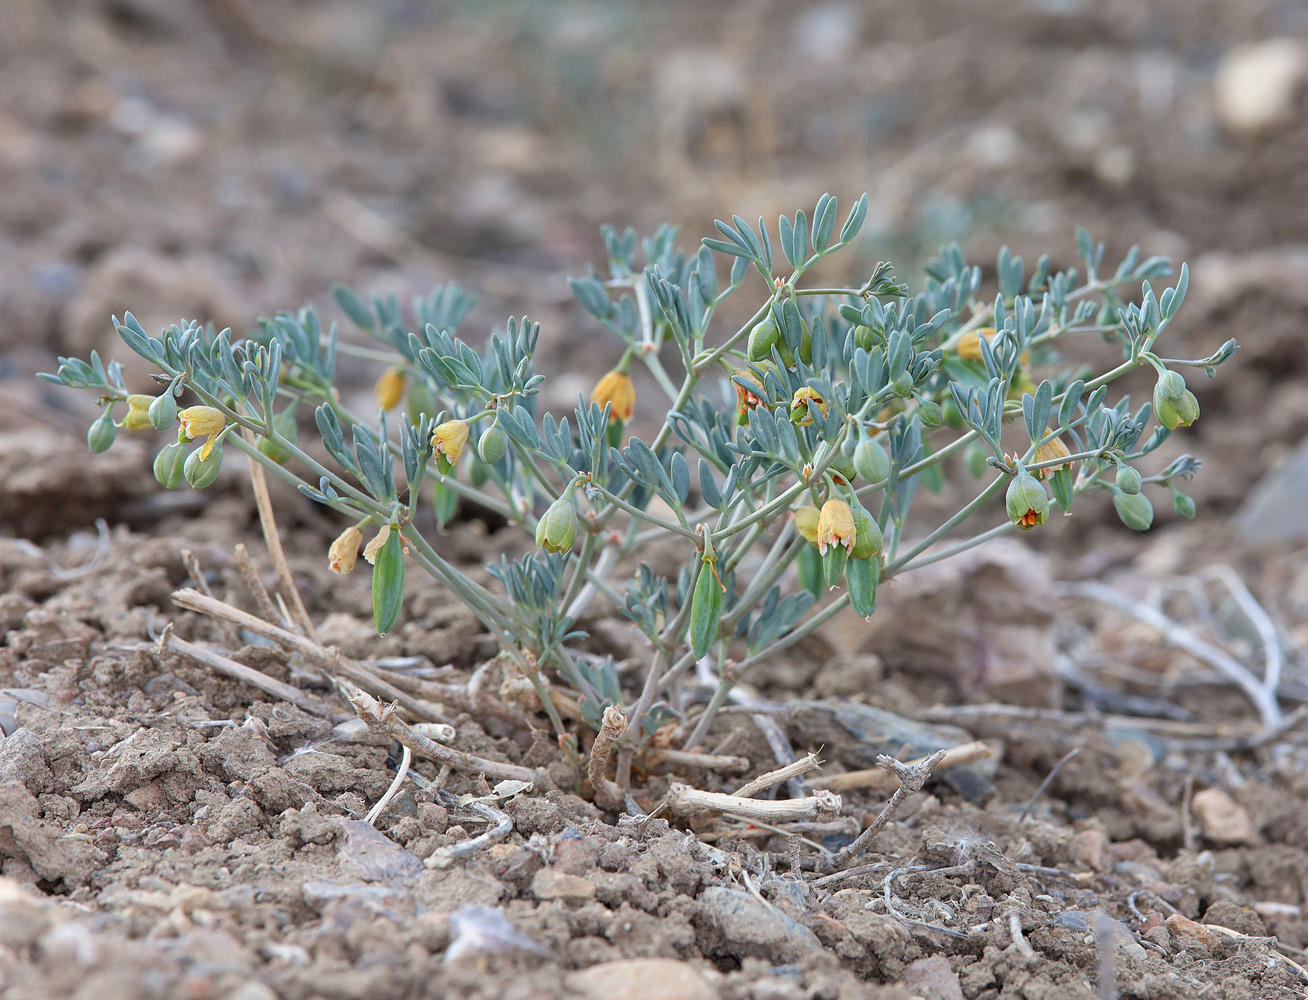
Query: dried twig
x,y
1273,657
1271,940
255,585
406,758
501,826
809,762
654,756
329,661
231,635
259,484
613,725
1260,694
911,779
1026,809
239,671
382,719
878,779
686,801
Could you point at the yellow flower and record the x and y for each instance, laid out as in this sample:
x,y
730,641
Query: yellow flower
x,y
138,412
835,525
800,404
806,523
969,345
372,548
344,551
618,392
1051,451
449,438
202,421
390,387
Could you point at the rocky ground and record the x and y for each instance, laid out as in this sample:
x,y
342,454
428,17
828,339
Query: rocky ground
x,y
167,830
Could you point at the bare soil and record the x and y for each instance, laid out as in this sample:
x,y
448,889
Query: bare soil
x,y
167,831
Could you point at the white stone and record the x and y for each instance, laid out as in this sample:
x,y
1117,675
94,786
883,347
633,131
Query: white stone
x,y
1256,88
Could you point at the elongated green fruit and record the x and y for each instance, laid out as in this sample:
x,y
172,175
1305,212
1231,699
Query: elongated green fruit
x,y
388,583
862,577
705,610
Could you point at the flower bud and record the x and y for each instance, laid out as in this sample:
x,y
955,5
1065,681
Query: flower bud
x,y
1184,504
1173,413
201,469
762,338
871,461
902,384
864,337
344,551
557,529
100,435
835,525
806,523
389,389
1026,501
930,412
618,392
804,398
162,411
492,444
1171,386
448,440
868,540
1134,509
170,465
138,412
1128,480
968,346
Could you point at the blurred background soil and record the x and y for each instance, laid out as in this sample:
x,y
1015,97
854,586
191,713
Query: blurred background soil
x,y
223,160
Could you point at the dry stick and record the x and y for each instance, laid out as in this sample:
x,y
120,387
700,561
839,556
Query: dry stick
x,y
1273,658
501,825
1049,778
255,586
686,801
334,664
613,725
1258,692
231,635
878,779
406,758
381,719
273,537
654,756
805,764
240,672
911,779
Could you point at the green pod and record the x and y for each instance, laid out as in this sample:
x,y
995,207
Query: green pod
x,y
808,567
806,346
862,578
868,540
388,583
557,528
492,444
930,412
871,461
1184,504
833,564
162,412
864,337
762,338
1170,386
200,472
705,610
902,384
170,465
444,502
1134,509
100,435
1128,480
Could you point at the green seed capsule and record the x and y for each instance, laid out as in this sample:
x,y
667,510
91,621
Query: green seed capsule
x,y
808,567
930,412
170,465
864,337
200,472
388,583
100,435
1134,509
162,412
902,384
557,528
762,338
492,444
1128,480
871,461
705,610
862,578
868,540
1184,504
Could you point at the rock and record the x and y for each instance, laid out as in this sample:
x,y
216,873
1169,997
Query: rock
x,y
744,925
641,979
372,856
1222,819
933,979
1225,913
549,883
479,930
1187,933
1092,849
1256,87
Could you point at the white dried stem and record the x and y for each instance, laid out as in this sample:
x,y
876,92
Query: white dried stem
x,y
654,756
382,719
273,537
686,801
1273,657
878,779
809,762
911,779
501,826
406,758
255,585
